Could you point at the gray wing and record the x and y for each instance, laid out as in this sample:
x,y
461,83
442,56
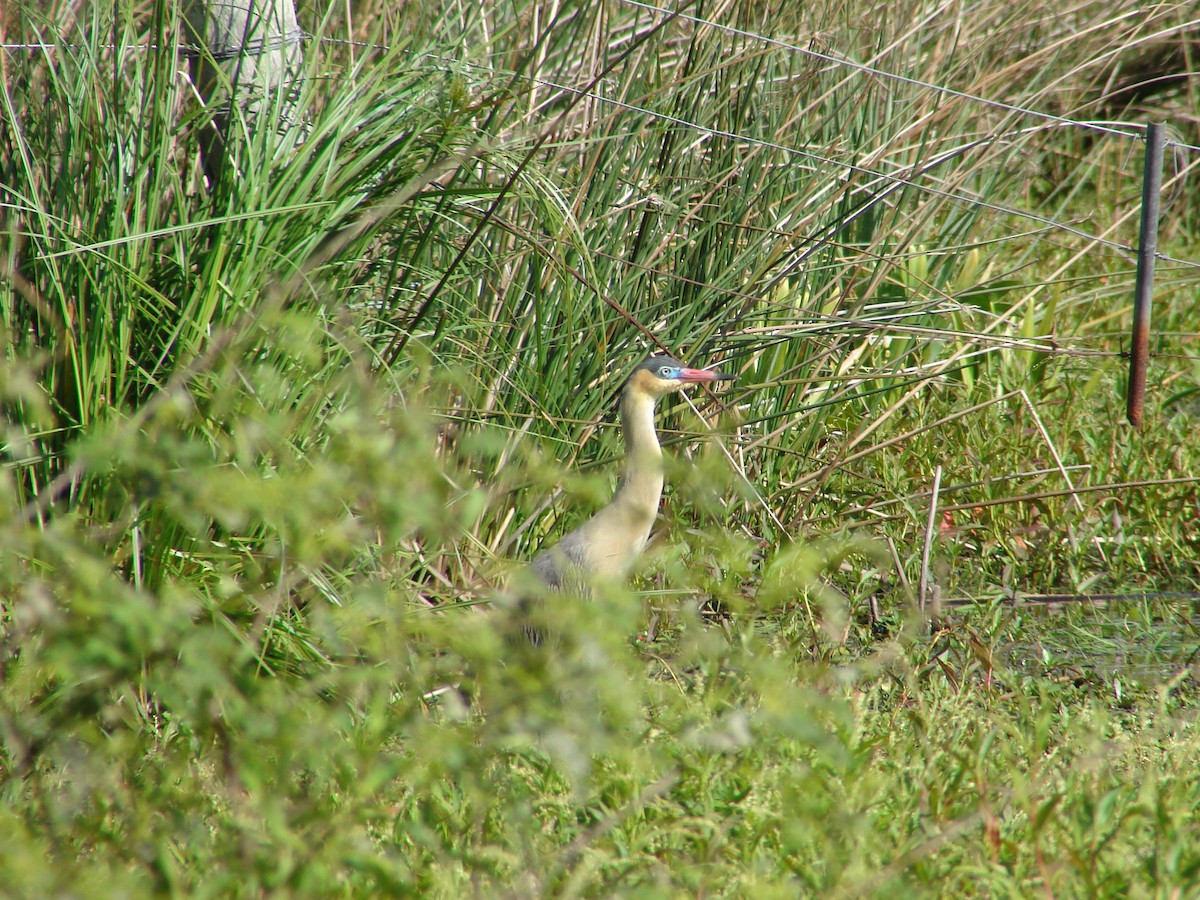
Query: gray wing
x,y
564,564
562,568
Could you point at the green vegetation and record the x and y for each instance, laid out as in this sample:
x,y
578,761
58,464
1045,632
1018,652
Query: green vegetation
x,y
260,487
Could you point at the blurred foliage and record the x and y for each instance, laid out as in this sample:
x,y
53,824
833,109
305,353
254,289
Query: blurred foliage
x,y
269,442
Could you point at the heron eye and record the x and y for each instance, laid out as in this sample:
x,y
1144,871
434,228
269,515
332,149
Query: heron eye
x,y
665,371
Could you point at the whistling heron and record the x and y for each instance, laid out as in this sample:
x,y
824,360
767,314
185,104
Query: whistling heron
x,y
608,544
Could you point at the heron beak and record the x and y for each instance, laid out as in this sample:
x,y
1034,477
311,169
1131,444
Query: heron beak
x,y
696,376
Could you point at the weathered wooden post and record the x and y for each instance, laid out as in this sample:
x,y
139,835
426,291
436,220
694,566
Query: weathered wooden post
x,y
248,70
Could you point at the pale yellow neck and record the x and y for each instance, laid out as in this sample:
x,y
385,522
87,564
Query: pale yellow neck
x,y
642,478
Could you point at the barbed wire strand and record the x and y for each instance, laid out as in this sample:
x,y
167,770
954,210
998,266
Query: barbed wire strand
x,y
895,180
1099,126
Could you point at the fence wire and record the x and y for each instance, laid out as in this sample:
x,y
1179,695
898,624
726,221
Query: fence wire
x,y
894,180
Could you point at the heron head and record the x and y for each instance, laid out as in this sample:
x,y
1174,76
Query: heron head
x,y
662,375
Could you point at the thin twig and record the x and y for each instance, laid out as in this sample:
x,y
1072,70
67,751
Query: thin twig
x,y
898,564
923,584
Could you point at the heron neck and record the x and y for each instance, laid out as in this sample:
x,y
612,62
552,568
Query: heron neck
x,y
642,478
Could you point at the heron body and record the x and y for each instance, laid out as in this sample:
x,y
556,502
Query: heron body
x,y
608,544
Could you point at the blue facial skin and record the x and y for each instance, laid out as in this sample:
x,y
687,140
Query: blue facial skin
x,y
669,373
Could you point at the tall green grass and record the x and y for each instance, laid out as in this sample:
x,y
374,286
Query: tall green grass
x,y
272,445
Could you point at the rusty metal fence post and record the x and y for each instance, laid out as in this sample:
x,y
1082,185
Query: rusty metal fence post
x,y
1139,347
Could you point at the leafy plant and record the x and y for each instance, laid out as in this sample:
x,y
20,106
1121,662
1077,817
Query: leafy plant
x,y
274,444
